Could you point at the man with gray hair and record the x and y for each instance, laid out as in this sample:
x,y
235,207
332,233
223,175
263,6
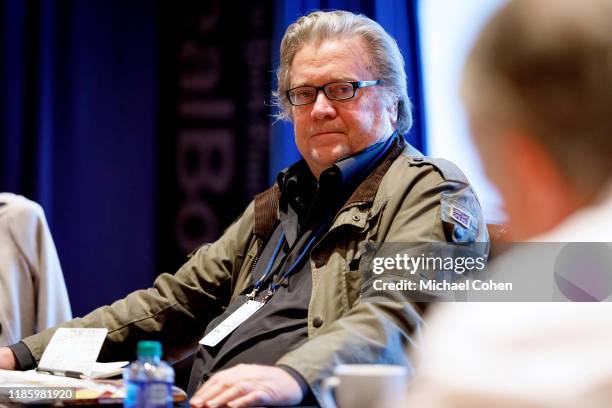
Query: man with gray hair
x,y
289,269
538,90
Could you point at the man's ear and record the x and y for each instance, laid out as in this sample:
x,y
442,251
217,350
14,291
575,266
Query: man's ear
x,y
540,180
529,165
393,110
533,166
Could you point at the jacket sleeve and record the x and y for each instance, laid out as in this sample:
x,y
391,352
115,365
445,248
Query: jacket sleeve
x,y
380,331
176,309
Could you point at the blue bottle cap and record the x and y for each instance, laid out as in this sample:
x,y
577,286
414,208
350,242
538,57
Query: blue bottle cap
x,y
149,349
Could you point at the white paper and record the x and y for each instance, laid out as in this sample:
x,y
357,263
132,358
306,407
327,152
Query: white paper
x,y
11,379
32,378
106,370
231,323
73,349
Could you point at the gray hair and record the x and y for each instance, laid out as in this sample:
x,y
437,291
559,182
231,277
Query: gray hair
x,y
320,26
546,67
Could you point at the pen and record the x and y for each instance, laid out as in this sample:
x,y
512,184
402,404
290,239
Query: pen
x,y
65,373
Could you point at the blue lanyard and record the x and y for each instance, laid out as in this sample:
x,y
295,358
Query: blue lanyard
x,y
274,286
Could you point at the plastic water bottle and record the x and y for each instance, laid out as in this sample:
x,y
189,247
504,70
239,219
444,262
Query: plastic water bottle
x,y
148,381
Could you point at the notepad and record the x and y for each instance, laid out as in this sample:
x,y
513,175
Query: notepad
x,y
107,370
73,352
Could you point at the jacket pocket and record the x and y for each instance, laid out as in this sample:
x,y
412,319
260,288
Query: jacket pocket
x,y
356,269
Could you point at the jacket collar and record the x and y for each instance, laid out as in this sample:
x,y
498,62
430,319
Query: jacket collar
x,y
266,203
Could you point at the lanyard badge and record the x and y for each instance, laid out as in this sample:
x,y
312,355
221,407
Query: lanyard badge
x,y
245,311
231,323
251,306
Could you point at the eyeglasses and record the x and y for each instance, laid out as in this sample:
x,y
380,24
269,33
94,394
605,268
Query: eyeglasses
x,y
335,91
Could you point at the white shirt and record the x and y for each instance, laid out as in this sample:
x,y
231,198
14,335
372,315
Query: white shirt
x,y
33,294
521,354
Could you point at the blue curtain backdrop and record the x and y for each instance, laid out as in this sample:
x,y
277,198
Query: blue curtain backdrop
x,y
398,17
79,109
77,134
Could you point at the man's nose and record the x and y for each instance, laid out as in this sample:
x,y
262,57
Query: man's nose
x,y
323,108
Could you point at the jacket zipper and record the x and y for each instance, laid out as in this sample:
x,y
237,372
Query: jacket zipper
x,y
254,263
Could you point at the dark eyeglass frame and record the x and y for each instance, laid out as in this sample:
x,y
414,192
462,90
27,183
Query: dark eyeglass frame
x,y
355,84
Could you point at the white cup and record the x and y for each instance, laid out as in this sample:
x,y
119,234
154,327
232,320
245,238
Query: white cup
x,y
365,386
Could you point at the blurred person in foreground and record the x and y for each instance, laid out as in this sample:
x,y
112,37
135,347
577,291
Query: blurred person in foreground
x,y
296,251
33,295
538,91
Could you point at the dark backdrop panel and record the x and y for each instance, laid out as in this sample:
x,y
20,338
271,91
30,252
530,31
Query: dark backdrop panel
x,y
141,127
215,64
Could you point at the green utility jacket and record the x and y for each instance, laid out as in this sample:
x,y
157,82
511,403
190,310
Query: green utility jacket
x,y
400,201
